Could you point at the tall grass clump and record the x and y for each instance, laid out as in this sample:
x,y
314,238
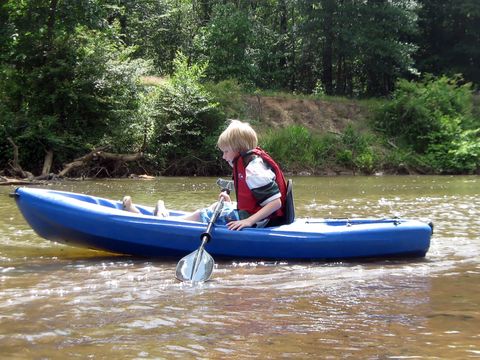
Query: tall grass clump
x,y
298,150
356,151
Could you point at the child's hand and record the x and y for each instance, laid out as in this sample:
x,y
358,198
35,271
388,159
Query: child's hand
x,y
240,224
225,197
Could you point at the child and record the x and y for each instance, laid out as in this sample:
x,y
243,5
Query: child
x,y
260,185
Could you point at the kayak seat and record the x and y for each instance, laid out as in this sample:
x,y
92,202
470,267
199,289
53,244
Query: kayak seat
x,y
289,205
107,203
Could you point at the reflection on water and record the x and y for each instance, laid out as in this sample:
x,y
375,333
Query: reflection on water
x,y
57,301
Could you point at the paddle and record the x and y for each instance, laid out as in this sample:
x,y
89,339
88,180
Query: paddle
x,y
198,265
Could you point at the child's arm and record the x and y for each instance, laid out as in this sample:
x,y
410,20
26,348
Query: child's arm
x,y
261,214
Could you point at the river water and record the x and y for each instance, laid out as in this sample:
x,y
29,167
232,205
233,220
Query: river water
x,y
62,302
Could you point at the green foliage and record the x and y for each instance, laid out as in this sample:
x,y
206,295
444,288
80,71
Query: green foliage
x,y
227,39
382,35
449,38
291,146
157,29
67,87
6,151
466,151
434,118
107,83
274,46
187,124
229,96
356,151
354,48
70,75
297,149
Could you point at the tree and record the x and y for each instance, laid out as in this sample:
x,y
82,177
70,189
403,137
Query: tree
x,y
69,82
227,39
384,50
186,124
365,44
449,40
157,29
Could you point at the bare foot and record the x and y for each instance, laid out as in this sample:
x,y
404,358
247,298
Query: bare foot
x,y
128,205
160,209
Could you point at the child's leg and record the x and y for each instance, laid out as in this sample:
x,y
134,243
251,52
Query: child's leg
x,y
195,216
228,213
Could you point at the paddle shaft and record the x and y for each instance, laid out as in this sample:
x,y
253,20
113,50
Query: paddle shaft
x,y
206,236
216,212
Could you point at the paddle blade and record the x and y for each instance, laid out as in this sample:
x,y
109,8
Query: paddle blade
x,y
196,266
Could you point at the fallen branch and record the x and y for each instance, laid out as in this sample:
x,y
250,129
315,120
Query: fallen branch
x,y
99,155
16,169
4,181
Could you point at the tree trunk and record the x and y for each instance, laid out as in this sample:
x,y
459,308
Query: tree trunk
x,y
15,153
47,163
327,56
283,29
293,81
51,23
340,78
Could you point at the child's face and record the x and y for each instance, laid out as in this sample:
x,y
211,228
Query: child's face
x,y
229,155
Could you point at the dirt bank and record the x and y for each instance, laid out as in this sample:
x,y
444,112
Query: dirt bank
x,y
319,116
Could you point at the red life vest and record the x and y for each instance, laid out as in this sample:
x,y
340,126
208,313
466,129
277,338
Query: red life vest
x,y
245,199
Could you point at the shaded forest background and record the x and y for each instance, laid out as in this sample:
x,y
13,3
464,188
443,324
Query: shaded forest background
x,y
114,87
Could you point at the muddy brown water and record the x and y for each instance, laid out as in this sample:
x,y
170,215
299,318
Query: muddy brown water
x,y
63,302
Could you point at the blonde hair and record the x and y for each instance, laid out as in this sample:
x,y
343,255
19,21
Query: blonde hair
x,y
238,136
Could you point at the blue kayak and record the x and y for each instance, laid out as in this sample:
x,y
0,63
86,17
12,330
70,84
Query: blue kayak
x,y
101,224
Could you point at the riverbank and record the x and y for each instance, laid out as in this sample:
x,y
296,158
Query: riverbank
x,y
267,113
307,135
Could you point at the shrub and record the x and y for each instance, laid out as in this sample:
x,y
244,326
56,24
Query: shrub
x,y
291,147
434,118
229,96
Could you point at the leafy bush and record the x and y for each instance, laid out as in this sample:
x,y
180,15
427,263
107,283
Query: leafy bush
x,y
324,149
290,147
434,118
115,100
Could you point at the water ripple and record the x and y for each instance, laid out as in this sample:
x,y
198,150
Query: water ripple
x,y
85,304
